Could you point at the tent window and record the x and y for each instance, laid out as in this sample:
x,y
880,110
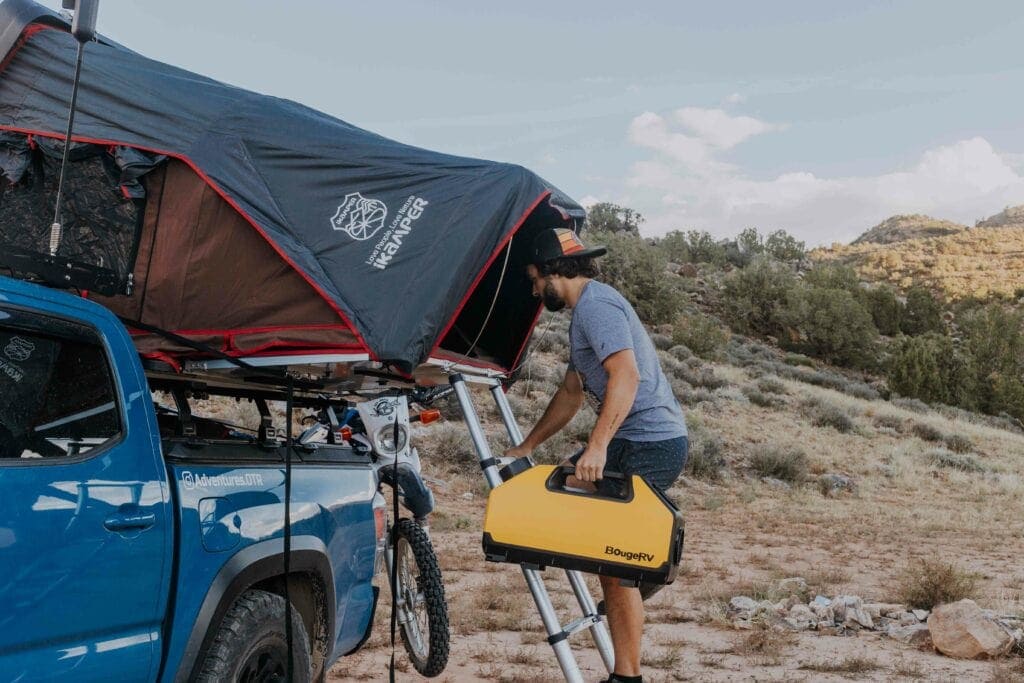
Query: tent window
x,y
101,214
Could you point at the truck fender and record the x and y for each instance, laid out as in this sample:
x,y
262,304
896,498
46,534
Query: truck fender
x,y
247,567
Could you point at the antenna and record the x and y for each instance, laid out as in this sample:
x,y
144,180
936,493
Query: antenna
x,y
83,28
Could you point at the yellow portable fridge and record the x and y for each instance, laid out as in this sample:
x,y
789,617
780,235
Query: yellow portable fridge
x,y
532,519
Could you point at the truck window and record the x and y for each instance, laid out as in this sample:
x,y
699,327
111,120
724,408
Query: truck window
x,y
57,395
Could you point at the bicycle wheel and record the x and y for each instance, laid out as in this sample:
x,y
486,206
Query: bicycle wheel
x,y
423,612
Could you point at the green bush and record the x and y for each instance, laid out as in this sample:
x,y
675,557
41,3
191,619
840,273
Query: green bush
x,y
637,271
753,297
782,246
771,385
787,464
994,338
830,324
930,367
922,312
700,333
758,398
886,310
833,276
608,217
692,247
893,422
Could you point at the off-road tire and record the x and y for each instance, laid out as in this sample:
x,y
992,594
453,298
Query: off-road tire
x,y
434,601
250,643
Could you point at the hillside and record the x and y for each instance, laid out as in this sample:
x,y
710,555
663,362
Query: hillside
x,y
977,262
795,472
908,227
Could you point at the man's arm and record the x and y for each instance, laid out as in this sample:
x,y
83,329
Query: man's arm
x,y
561,408
623,382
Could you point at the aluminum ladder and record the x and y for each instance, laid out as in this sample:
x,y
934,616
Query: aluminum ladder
x,y
558,635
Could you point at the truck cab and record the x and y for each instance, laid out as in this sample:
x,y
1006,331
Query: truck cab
x,y
124,551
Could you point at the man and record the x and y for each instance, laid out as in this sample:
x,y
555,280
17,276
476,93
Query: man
x,y
640,427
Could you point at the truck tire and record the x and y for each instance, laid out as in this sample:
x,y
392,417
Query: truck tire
x,y
250,645
415,554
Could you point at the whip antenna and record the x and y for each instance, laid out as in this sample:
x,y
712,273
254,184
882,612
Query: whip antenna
x,y
83,28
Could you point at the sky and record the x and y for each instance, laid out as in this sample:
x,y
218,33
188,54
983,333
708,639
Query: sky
x,y
819,118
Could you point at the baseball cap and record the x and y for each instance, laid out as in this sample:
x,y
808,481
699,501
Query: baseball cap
x,y
554,243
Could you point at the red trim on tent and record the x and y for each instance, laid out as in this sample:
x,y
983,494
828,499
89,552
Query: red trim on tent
x,y
166,358
226,198
29,31
479,276
252,330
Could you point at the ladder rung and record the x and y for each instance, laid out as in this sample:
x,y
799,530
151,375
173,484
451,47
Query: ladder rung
x,y
580,624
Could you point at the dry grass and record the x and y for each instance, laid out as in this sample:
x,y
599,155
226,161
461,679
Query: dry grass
x,y
763,645
926,583
786,464
851,666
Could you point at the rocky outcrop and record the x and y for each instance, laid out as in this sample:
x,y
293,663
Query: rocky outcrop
x,y
908,227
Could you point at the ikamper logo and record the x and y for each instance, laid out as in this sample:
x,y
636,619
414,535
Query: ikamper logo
x,y
359,217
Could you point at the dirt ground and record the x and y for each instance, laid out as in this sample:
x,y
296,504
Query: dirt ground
x,y
742,531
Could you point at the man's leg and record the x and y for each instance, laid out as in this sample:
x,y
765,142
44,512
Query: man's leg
x,y
626,623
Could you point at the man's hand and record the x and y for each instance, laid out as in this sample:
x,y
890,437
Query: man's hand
x,y
590,466
520,451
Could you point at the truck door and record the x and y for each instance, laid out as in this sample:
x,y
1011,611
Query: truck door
x,y
85,550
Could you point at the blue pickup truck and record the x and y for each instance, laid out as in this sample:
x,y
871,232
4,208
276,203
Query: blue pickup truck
x,y
136,545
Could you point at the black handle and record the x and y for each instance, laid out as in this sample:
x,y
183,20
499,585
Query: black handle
x,y
556,483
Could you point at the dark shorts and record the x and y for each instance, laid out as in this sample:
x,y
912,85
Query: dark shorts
x,y
659,462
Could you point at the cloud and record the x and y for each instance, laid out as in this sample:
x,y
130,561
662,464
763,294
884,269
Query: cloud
x,y
735,98
720,129
686,184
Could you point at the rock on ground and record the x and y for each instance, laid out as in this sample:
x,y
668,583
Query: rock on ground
x,y
961,630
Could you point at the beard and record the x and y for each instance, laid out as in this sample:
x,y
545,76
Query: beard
x,y
552,301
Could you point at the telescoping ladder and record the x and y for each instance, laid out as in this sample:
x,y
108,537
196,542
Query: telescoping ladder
x,y
558,635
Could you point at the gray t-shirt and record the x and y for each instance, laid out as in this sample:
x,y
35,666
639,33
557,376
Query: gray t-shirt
x,y
603,323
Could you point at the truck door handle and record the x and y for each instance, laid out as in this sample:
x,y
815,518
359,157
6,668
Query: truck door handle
x,y
130,520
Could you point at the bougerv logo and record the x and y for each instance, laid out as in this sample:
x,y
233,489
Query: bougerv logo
x,y
19,349
359,217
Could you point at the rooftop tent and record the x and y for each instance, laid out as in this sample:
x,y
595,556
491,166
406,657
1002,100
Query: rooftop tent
x,y
253,223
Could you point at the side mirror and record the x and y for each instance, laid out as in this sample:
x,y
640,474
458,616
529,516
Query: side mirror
x,y
83,27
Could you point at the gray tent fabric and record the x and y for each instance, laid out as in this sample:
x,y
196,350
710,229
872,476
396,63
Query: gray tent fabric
x,y
397,239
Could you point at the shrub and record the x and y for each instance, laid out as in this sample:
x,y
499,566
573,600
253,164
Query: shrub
x,y
940,457
922,312
927,583
755,396
893,422
931,368
782,246
662,342
681,352
994,337
608,217
705,460
786,464
700,333
861,390
825,414
958,443
831,324
833,276
912,404
798,359
637,271
886,310
771,385
752,297
926,432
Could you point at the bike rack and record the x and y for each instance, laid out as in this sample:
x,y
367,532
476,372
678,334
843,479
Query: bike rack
x,y
558,635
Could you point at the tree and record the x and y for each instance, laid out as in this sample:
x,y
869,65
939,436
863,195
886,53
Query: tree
x,y
922,312
834,276
784,247
886,310
753,296
931,368
749,242
608,217
637,270
830,324
994,336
